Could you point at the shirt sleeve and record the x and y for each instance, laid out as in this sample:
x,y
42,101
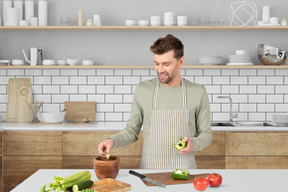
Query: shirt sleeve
x,y
203,124
133,126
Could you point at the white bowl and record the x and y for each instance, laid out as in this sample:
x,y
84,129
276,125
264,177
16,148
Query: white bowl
x,y
17,62
56,117
48,62
61,62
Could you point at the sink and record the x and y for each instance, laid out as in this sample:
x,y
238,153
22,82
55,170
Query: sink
x,y
221,124
254,124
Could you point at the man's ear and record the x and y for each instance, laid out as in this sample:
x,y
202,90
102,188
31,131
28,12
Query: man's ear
x,y
181,61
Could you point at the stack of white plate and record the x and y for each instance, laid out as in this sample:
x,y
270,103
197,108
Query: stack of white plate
x,y
245,59
211,60
280,119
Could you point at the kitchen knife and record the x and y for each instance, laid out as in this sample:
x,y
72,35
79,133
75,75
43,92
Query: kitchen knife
x,y
146,179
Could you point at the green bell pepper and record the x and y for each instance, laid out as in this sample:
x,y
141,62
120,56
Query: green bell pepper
x,y
180,145
179,174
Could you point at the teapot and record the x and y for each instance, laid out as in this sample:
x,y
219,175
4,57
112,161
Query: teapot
x,y
34,56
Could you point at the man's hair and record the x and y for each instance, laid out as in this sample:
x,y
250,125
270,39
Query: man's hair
x,y
168,43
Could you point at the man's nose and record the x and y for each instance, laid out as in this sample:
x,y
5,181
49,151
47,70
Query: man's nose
x,y
160,69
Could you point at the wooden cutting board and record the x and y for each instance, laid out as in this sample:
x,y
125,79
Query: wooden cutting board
x,y
166,178
78,110
14,84
24,96
110,185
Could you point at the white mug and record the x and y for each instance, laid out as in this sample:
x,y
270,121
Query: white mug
x,y
155,20
130,22
182,20
169,19
143,22
23,23
33,21
274,20
88,62
96,20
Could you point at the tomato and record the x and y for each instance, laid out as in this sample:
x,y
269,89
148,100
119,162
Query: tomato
x,y
215,179
201,184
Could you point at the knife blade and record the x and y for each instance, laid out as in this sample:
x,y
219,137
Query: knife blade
x,y
146,179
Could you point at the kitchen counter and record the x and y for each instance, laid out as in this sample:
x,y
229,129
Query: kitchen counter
x,y
111,126
233,180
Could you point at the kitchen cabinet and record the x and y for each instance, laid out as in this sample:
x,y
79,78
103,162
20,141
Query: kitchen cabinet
x,y
256,150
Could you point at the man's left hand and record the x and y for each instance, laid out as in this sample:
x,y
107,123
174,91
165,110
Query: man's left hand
x,y
189,147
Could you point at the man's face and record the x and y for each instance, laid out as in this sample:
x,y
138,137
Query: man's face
x,y
167,67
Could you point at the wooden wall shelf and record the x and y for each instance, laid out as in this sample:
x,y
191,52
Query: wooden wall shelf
x,y
145,67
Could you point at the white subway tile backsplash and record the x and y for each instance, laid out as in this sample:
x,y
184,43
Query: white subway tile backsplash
x,y
122,107
126,116
239,80
225,107
96,80
248,72
139,72
15,72
104,72
36,88
145,78
257,98
87,72
87,89
215,107
182,72
4,80
52,72
230,72
256,117
229,89
104,107
123,89
220,116
285,80
3,72
194,72
221,80
286,98
3,89
131,80
274,80
51,89
51,107
205,80
237,98
265,107
248,107
113,80
3,108
265,72
113,98
78,97
45,98
3,98
78,80
69,89
241,117
105,89
124,72
100,117
274,98
153,72
113,116
129,98
69,72
97,98
281,89
265,89
248,89
60,98
212,72
213,89
283,72
34,72
42,80
60,80
256,80
283,107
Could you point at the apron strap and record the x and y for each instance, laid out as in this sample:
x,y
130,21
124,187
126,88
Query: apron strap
x,y
184,95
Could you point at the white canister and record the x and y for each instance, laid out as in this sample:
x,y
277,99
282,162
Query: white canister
x,y
19,4
266,14
96,20
0,21
29,9
43,12
6,3
11,15
33,21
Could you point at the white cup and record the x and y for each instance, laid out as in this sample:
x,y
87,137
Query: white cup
x,y
96,20
242,52
182,20
169,19
130,22
33,21
266,14
23,23
155,20
88,62
274,20
61,62
143,22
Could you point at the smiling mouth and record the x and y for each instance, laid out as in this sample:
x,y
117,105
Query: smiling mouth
x,y
163,75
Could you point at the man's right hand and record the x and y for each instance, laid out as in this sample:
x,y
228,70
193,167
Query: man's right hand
x,y
105,146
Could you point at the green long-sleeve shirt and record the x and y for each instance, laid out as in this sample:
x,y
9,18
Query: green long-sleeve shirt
x,y
168,98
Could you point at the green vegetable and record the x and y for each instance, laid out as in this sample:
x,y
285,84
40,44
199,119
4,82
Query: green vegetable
x,y
89,190
179,174
180,145
107,155
82,185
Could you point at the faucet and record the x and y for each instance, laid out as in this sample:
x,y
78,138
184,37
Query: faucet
x,y
232,115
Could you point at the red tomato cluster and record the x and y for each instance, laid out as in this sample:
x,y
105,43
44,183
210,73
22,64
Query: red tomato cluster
x,y
201,184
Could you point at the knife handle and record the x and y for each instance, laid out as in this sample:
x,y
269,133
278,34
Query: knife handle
x,y
137,174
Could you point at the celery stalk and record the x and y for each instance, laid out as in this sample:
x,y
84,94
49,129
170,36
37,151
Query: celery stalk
x,y
70,184
76,177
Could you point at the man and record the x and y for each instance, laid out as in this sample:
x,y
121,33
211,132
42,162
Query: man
x,y
168,107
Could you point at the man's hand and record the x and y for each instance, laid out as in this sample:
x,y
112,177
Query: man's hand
x,y
189,147
105,146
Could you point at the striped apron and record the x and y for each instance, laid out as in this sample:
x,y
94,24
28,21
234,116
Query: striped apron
x,y
166,128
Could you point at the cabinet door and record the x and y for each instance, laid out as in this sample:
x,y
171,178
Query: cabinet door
x,y
16,143
216,148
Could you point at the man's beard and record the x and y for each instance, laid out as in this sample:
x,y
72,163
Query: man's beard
x,y
167,80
